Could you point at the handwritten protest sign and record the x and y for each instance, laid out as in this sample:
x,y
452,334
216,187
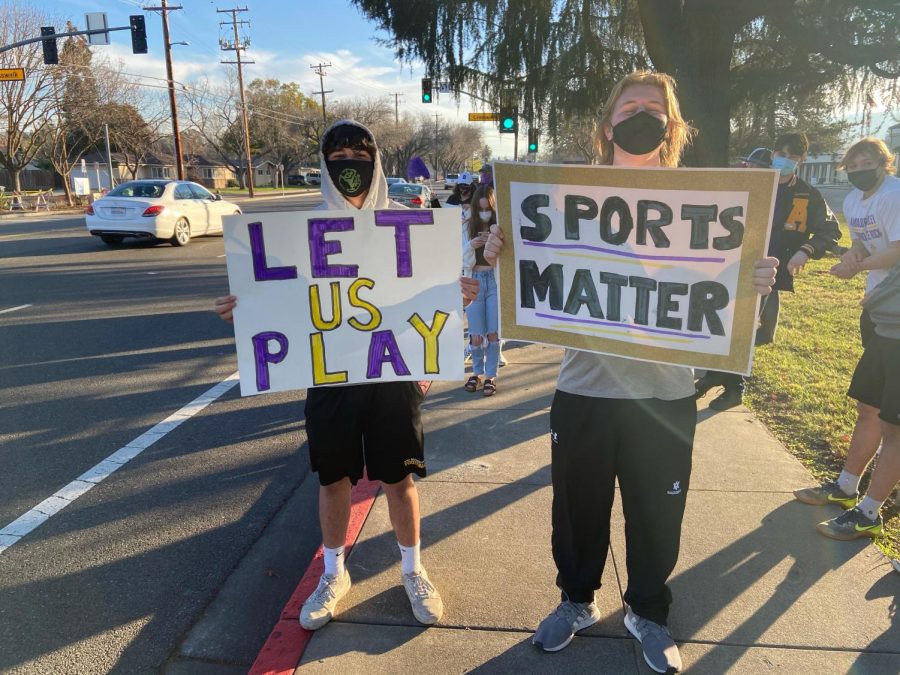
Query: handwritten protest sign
x,y
649,264
342,297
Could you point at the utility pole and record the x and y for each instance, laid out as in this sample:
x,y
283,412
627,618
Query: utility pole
x,y
436,117
237,47
112,183
164,9
396,96
320,71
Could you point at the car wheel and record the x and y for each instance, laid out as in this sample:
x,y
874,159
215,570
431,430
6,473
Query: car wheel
x,y
182,233
111,239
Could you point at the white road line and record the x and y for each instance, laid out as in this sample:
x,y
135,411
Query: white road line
x,y
13,533
13,309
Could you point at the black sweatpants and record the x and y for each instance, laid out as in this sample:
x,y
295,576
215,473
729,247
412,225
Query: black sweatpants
x,y
647,444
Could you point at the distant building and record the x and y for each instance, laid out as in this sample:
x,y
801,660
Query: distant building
x,y
893,141
822,169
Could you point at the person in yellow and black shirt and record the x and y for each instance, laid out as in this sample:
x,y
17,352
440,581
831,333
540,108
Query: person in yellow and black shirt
x,y
803,228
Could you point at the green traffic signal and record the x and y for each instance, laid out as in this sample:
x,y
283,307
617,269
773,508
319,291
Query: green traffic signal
x,y
508,122
426,98
532,147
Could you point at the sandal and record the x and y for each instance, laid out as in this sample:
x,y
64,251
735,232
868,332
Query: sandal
x,y
490,387
472,383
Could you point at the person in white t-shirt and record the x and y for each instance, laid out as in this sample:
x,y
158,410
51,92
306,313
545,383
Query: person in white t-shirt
x,y
872,211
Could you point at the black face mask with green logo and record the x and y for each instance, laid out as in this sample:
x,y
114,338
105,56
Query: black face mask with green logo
x,y
352,177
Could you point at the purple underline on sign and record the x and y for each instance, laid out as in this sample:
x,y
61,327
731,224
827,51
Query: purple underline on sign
x,y
620,325
624,254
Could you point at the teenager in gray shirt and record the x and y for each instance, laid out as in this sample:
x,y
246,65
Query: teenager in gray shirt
x,y
619,418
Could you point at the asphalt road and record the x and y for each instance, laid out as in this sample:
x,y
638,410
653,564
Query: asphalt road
x,y
106,343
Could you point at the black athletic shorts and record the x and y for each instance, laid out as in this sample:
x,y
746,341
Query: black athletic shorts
x,y
876,380
866,328
373,426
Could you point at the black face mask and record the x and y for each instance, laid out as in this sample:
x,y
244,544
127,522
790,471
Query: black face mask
x,y
639,134
352,177
864,179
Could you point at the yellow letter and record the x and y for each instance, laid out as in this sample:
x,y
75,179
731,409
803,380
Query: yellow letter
x,y
320,370
315,307
430,336
356,301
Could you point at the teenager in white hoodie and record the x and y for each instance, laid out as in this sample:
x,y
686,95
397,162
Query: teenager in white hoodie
x,y
346,425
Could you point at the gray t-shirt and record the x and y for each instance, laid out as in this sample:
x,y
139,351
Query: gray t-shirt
x,y
601,376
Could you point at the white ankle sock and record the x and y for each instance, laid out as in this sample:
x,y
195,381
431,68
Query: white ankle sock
x,y
409,558
870,507
848,483
334,561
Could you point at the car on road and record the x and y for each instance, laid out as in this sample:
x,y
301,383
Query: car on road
x,y
313,177
391,180
413,195
295,179
173,210
450,181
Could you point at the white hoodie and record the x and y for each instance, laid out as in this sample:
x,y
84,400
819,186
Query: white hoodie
x,y
378,191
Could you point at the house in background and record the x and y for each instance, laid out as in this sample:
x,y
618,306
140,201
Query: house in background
x,y
822,169
198,168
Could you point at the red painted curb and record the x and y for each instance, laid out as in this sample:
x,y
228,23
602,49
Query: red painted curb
x,y
286,643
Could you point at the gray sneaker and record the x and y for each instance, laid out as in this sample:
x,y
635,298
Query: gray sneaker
x,y
319,607
660,650
558,629
424,599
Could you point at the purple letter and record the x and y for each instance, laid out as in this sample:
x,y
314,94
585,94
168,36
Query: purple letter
x,y
260,270
401,220
264,357
384,341
320,249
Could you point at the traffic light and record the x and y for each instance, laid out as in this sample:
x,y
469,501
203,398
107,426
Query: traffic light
x,y
138,34
426,90
533,135
50,54
509,120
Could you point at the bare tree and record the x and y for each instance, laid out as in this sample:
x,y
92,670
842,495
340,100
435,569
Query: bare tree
x,y
213,112
23,105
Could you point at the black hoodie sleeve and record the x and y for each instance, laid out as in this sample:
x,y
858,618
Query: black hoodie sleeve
x,y
823,227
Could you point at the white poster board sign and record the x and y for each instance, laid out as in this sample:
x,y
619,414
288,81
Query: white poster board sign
x,y
81,185
343,297
649,264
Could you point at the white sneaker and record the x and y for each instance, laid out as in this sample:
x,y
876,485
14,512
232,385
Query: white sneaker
x,y
424,599
319,607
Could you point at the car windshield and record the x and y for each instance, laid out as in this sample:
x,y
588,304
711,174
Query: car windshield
x,y
151,190
405,189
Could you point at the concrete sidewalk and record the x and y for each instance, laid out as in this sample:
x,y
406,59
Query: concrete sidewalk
x,y
756,588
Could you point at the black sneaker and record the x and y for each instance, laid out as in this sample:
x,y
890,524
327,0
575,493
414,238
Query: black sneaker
x,y
727,399
829,493
707,382
851,524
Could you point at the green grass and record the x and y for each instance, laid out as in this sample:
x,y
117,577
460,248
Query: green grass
x,y
799,384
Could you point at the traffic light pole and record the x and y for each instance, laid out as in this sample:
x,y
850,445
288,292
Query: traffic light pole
x,y
57,36
516,145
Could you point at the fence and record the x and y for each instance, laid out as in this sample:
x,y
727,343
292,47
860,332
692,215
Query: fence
x,y
32,179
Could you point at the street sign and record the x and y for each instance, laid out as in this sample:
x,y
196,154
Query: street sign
x,y
12,74
97,21
483,117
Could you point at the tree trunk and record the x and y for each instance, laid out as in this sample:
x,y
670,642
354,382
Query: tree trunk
x,y
16,176
68,188
693,42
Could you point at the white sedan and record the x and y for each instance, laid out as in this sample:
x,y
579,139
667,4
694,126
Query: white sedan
x,y
175,210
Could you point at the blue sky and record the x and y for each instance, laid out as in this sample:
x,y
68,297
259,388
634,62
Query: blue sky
x,y
286,38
